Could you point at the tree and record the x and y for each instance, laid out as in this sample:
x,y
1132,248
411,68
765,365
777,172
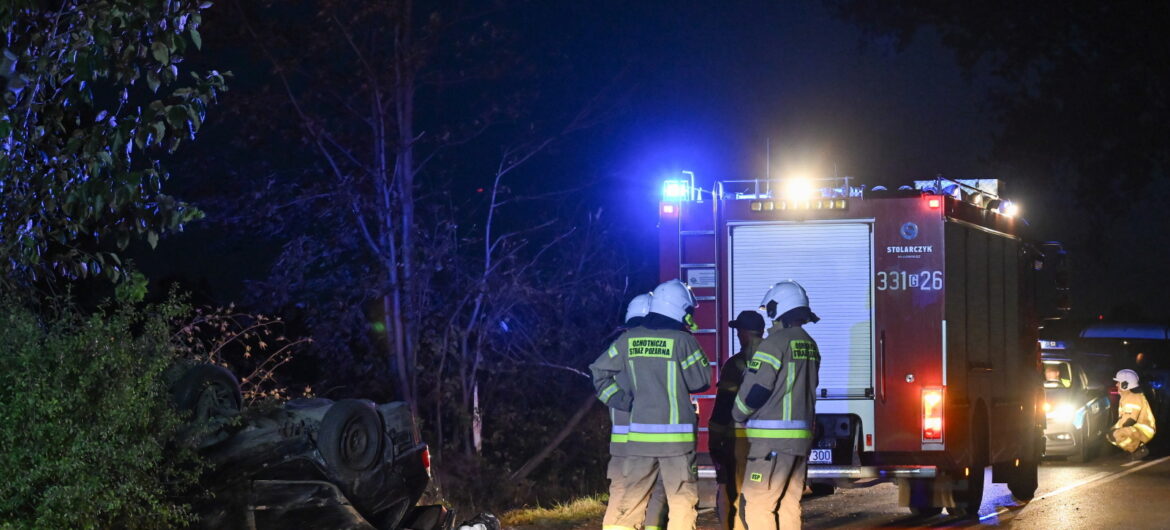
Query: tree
x,y
92,98
1078,86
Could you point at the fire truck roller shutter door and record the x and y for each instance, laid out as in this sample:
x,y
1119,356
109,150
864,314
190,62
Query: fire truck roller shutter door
x,y
824,258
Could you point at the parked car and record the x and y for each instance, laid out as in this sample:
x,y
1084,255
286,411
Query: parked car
x,y
1077,408
305,463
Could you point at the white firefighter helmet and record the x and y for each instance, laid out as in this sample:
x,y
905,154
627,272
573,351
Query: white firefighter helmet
x,y
1126,379
788,295
673,299
638,307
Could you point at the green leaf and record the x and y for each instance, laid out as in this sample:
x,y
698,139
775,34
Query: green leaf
x,y
160,51
152,238
197,38
152,80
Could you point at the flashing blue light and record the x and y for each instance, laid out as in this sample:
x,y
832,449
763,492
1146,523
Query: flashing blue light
x,y
676,190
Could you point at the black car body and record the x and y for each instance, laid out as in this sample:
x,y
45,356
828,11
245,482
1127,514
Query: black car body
x,y
305,463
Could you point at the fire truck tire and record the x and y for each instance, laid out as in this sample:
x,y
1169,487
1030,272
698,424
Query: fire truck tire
x,y
967,484
925,511
920,495
822,488
1025,479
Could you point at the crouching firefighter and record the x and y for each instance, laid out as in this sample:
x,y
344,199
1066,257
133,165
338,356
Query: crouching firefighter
x,y
618,401
776,404
1135,422
659,364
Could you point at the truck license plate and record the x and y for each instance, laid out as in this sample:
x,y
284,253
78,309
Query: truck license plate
x,y
821,456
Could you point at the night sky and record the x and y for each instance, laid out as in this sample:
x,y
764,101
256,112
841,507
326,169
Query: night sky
x,y
710,87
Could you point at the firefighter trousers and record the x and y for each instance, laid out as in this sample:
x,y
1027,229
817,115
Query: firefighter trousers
x,y
1129,439
639,475
655,509
772,487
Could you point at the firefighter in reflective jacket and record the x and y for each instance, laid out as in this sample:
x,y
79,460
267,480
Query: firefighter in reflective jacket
x,y
659,364
618,402
1135,422
776,403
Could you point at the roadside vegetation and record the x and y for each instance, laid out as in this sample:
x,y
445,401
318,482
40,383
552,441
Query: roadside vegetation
x,y
561,515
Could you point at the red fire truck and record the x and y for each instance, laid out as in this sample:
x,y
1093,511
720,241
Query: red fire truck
x,y
930,364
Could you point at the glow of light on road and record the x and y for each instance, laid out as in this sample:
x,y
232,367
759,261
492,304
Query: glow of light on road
x,y
1102,478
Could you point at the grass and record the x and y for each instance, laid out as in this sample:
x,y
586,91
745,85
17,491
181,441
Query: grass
x,y
564,515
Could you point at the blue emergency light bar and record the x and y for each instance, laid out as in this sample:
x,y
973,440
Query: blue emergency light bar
x,y
676,190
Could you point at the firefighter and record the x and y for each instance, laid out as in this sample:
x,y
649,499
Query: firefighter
x,y
1135,422
776,403
729,451
619,412
660,365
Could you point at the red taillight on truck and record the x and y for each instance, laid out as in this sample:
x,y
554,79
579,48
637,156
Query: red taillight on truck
x,y
932,415
426,459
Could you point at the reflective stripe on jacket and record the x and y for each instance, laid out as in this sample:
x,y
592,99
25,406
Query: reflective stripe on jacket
x,y
777,399
612,394
661,368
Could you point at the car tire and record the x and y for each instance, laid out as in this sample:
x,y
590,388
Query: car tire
x,y
350,437
208,391
1082,453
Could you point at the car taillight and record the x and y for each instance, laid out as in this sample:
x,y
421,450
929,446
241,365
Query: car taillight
x,y
932,415
426,459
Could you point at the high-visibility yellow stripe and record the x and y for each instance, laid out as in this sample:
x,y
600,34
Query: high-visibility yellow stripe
x,y
608,392
739,404
662,437
672,390
694,358
619,438
788,395
612,351
768,358
779,433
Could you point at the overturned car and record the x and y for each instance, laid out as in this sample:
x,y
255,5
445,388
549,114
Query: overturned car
x,y
306,463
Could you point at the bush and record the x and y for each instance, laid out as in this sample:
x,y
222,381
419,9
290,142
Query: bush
x,y
86,419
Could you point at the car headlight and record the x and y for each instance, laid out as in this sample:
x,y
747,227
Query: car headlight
x,y
1062,413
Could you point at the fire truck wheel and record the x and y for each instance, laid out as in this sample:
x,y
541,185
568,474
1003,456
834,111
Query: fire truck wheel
x,y
1025,479
967,483
928,511
822,488
968,491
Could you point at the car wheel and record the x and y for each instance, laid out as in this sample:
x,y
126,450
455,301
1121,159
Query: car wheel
x,y
208,391
350,437
1081,453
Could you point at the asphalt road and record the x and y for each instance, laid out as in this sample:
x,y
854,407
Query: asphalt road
x,y
1108,492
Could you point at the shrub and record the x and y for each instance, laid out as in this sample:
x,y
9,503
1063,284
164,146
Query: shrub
x,y
86,419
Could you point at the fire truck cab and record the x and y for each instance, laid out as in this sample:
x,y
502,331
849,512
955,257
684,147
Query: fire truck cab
x,y
928,333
